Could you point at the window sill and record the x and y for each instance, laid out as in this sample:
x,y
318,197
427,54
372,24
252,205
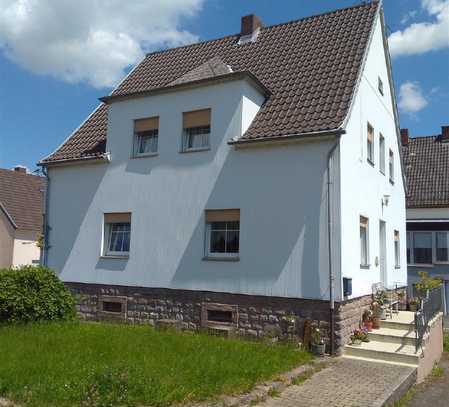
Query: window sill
x,y
365,266
370,162
195,150
145,155
124,257
218,258
420,265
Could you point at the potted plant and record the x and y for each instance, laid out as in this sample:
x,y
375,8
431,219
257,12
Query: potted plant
x,y
318,346
376,309
359,336
381,298
413,304
367,318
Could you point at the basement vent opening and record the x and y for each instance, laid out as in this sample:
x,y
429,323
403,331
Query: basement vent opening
x,y
219,316
109,306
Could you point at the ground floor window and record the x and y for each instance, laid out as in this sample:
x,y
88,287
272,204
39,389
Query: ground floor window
x,y
364,252
427,247
397,250
222,232
117,234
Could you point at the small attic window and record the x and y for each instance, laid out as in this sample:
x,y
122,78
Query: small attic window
x,y
380,85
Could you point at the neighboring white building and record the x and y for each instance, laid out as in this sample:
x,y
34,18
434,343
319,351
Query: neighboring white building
x,y
206,179
426,161
21,217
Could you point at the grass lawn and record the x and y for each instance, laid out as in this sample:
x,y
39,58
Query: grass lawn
x,y
446,343
87,364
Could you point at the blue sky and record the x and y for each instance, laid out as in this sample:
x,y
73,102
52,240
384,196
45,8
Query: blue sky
x,y
57,58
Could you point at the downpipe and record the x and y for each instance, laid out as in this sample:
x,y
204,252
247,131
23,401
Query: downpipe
x,y
329,246
46,227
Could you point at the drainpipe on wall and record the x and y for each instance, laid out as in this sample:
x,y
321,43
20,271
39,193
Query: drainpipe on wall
x,y
46,227
329,239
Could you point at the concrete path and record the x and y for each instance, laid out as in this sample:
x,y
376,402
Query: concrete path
x,y
434,392
346,383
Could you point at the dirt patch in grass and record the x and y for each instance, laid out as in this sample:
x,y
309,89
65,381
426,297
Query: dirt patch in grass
x,y
81,364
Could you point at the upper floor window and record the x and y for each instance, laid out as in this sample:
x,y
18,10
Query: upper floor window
x,y
223,233
117,234
380,86
196,130
146,133
397,250
370,144
391,165
364,242
382,153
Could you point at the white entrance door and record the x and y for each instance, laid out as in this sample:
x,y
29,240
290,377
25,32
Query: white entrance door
x,y
383,253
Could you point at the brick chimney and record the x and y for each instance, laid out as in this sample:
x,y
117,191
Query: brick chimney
x,y
250,24
21,169
404,137
445,133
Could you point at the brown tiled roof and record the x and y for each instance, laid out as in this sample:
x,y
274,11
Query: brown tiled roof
x,y
310,66
22,196
426,162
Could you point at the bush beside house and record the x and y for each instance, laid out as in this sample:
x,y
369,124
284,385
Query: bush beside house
x,y
31,293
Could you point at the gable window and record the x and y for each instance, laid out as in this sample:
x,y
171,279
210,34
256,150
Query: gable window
x,y
370,144
364,251
442,247
380,86
382,154
146,133
223,233
196,130
397,250
391,166
422,247
117,234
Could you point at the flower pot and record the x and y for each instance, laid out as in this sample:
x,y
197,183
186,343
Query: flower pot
x,y
369,325
413,307
376,323
318,349
356,342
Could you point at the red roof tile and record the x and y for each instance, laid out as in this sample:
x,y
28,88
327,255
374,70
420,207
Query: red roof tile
x,y
22,195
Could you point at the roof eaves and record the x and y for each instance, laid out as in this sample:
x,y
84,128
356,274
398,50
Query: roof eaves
x,y
8,216
192,84
290,137
105,157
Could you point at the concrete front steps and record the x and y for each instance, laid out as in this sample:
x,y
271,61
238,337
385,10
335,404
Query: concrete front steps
x,y
393,343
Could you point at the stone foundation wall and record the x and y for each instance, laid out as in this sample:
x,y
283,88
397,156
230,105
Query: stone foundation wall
x,y
252,316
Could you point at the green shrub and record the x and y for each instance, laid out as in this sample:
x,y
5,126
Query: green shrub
x,y
33,293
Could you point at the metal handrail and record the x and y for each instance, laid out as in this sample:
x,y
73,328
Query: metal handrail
x,y
428,309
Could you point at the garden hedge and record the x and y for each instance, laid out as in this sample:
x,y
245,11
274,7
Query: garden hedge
x,y
33,293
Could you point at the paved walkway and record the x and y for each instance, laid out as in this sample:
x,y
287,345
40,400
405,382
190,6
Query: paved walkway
x,y
345,383
435,392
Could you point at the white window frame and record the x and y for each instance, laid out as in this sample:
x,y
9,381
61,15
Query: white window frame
x,y
370,144
365,264
209,253
411,234
106,239
137,139
391,165
397,249
186,136
381,153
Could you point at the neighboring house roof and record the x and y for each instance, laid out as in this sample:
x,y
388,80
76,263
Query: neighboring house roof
x,y
426,163
22,198
311,67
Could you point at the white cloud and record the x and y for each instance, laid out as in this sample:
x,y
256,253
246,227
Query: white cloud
x,y
90,41
422,37
411,98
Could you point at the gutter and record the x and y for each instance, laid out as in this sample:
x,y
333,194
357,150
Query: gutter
x,y
46,247
299,136
329,239
105,157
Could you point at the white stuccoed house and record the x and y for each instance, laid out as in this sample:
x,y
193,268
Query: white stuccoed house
x,y
233,182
